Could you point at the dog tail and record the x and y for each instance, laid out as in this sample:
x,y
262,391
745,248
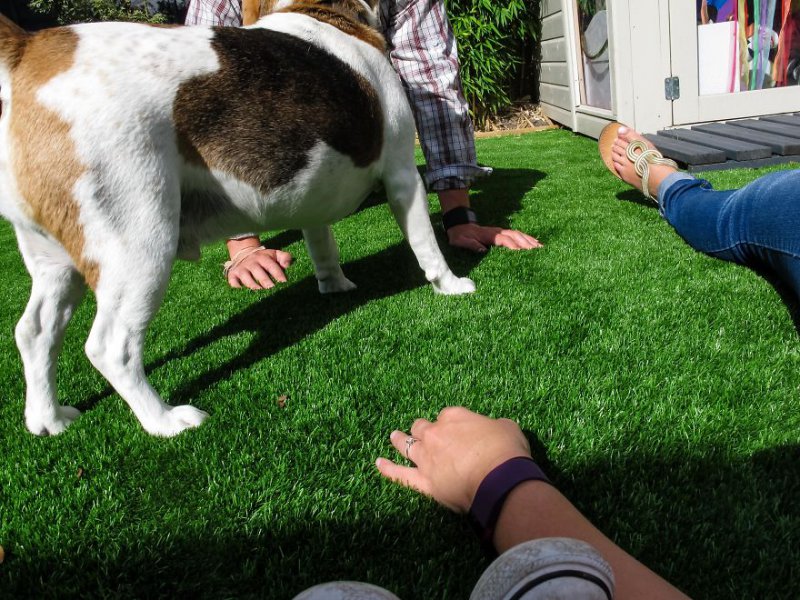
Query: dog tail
x,y
12,43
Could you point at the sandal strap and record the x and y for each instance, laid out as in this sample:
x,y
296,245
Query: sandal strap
x,y
643,159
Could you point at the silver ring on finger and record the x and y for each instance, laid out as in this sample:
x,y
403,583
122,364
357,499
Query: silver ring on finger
x,y
410,441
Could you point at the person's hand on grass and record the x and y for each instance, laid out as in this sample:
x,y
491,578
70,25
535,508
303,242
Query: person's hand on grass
x,y
453,454
255,267
476,237
479,238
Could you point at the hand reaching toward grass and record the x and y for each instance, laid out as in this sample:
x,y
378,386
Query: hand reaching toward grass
x,y
453,454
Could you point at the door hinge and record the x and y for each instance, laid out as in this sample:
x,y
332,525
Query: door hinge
x,y
672,88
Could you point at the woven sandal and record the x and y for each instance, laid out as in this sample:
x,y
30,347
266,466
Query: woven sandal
x,y
638,152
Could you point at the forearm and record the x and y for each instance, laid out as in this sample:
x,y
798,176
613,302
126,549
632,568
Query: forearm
x,y
536,509
238,244
449,199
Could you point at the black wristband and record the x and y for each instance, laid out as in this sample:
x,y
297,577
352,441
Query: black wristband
x,y
493,491
460,215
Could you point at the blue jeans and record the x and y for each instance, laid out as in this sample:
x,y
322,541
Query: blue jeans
x,y
757,226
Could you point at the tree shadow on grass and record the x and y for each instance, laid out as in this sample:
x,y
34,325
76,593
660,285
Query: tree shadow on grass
x,y
715,527
296,311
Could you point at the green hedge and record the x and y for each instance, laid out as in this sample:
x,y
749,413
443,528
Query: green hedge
x,y
64,12
496,46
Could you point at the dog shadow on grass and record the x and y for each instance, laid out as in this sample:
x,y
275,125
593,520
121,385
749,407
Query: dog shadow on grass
x,y
298,310
716,526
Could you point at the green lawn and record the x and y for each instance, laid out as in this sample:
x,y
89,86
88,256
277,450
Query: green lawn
x,y
661,387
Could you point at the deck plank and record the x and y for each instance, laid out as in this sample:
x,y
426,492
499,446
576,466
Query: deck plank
x,y
686,152
767,127
745,164
781,145
741,143
733,149
784,119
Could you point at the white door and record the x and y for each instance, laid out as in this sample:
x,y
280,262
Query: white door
x,y
734,58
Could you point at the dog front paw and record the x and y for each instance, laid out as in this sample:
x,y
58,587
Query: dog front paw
x,y
175,420
335,285
450,285
52,424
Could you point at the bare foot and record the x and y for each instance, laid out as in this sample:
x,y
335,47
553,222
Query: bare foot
x,y
625,168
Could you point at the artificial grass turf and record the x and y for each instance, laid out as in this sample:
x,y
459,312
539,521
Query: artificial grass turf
x,y
660,384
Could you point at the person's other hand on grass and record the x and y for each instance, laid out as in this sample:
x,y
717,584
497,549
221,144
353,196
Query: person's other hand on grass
x,y
477,237
468,462
253,266
460,448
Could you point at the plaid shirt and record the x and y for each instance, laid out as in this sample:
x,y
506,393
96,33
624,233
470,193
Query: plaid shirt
x,y
422,48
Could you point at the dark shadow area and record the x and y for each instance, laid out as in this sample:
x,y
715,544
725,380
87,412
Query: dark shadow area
x,y
21,13
497,197
636,197
787,295
716,527
282,239
298,310
539,450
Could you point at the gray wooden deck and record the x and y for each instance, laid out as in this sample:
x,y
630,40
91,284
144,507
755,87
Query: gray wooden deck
x,y
735,144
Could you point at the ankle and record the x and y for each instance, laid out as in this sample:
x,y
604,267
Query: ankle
x,y
659,173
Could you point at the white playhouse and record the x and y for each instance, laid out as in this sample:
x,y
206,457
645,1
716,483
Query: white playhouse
x,y
671,65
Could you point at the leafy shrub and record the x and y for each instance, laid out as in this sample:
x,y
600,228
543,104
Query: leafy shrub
x,y
495,38
65,12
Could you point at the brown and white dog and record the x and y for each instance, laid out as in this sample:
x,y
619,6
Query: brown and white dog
x,y
124,146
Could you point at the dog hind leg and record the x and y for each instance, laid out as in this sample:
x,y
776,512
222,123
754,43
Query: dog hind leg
x,y
409,204
129,293
325,256
56,290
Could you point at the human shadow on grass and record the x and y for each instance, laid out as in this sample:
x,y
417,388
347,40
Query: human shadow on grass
x,y
714,527
294,311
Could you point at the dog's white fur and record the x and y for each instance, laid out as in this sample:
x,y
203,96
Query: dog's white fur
x,y
128,195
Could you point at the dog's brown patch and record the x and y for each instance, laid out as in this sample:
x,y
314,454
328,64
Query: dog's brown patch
x,y
273,99
345,15
44,160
